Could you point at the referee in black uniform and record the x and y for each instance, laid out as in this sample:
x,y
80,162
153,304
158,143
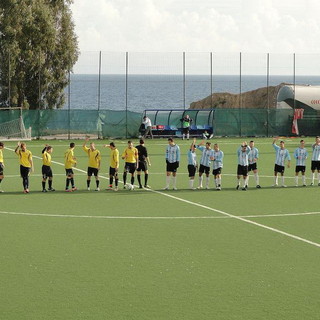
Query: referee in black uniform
x,y
144,161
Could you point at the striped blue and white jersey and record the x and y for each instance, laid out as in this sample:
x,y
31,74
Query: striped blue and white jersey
x,y
301,154
206,155
315,152
192,158
243,156
173,153
253,154
218,158
281,155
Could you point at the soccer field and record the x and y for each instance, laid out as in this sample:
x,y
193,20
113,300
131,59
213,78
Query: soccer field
x,y
155,254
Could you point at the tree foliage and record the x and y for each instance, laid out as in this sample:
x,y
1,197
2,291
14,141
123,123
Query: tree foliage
x,y
38,48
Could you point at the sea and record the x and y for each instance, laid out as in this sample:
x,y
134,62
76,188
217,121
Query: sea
x,y
141,92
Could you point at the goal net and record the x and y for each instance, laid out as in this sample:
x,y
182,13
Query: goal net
x,y
14,130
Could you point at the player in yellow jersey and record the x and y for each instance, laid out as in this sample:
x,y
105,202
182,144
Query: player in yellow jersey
x,y
46,168
130,155
69,162
1,163
94,163
26,164
114,165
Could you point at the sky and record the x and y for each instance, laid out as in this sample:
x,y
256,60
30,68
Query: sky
x,y
252,26
157,32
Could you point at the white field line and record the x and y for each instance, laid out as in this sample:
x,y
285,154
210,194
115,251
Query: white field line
x,y
221,212
154,218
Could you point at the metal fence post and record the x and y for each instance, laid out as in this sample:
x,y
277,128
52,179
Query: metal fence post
x,y
240,94
127,61
69,104
184,78
268,98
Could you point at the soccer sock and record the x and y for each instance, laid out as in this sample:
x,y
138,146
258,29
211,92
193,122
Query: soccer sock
x,y
0,180
303,179
256,177
296,180
282,180
219,181
312,177
183,136
276,180
50,184
116,181
216,182
245,182
318,177
146,176
207,181
67,183
132,180
174,181
97,183
200,181
238,181
43,185
168,179
139,180
27,182
191,181
88,183
72,182
124,178
188,136
111,181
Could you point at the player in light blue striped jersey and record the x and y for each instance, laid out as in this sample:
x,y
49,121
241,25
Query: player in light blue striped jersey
x,y
300,154
243,163
282,154
315,161
217,165
172,160
205,161
253,158
192,164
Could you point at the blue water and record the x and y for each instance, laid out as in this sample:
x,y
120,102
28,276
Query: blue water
x,y
161,91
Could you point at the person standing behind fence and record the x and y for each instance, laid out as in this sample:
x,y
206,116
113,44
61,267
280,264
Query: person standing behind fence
x,y
144,161
205,161
69,162
1,163
217,165
94,163
282,154
315,161
300,154
148,127
243,163
253,158
46,168
172,160
192,164
26,164
186,123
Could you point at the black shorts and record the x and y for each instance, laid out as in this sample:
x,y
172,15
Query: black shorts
x,y
192,170
315,165
215,172
143,166
278,168
300,169
113,172
242,170
252,167
92,171
24,171
130,167
69,172
186,130
1,169
172,167
46,172
204,169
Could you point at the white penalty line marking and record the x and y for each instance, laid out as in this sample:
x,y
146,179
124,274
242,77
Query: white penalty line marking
x,y
220,211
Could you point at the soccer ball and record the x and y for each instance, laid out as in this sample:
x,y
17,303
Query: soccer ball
x,y
129,186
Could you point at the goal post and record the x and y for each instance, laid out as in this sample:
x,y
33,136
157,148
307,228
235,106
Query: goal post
x,y
12,125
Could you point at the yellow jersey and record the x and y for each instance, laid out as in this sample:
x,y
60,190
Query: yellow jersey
x,y
69,160
1,156
94,157
130,155
25,158
114,158
46,159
